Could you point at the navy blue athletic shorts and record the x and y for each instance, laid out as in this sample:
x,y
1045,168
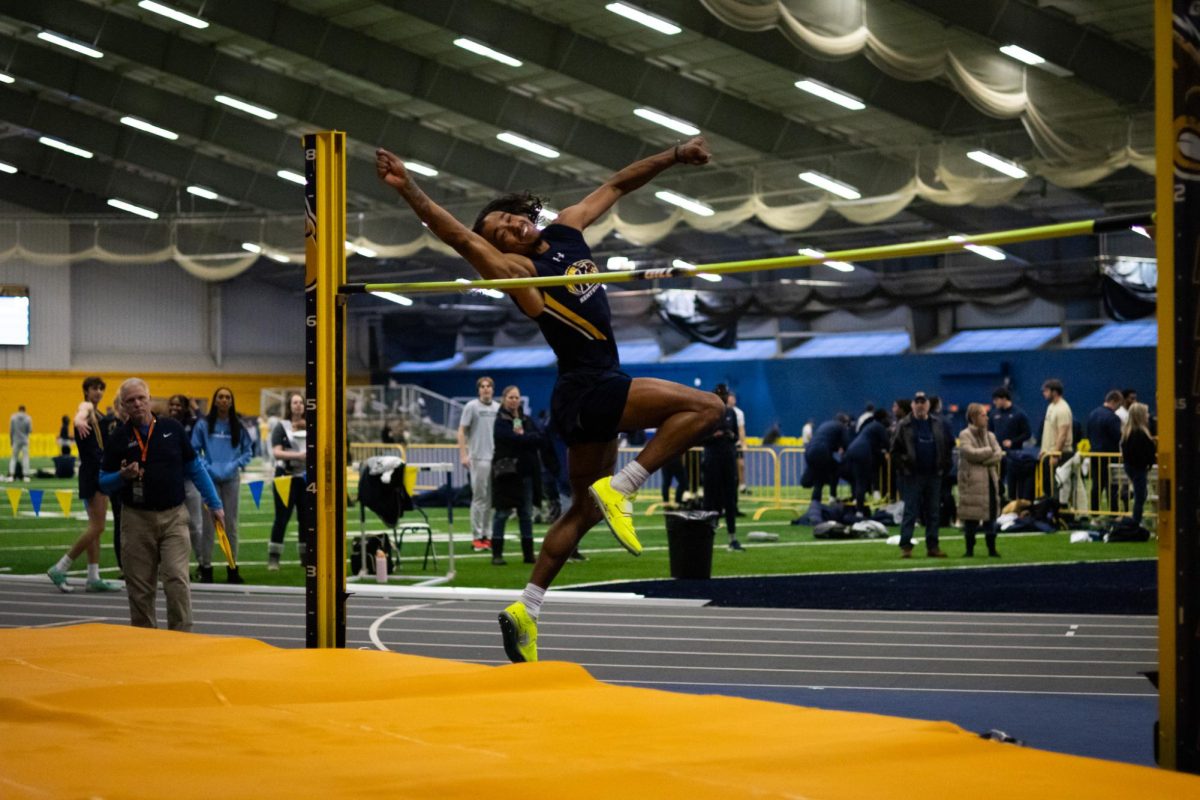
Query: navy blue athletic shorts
x,y
89,480
586,405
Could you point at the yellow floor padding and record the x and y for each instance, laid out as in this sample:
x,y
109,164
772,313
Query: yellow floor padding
x,y
102,711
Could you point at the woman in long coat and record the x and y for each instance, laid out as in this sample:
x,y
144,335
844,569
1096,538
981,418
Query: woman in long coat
x,y
516,474
978,480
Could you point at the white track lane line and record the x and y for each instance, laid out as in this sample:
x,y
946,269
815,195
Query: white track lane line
x,y
809,656
633,625
891,673
719,685
551,612
805,642
373,631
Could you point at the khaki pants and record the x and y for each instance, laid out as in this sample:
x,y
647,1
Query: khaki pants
x,y
154,545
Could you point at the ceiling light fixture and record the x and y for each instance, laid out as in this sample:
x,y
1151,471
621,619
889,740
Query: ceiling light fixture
x,y
832,95
686,203
170,13
70,44
679,263
677,125
421,169
619,263
1141,231
516,140
992,253
209,194
644,18
395,298
251,247
242,105
1034,60
6,78
365,252
280,257
478,48
494,293
294,177
8,168
66,148
200,191
142,125
132,209
362,251
843,190
840,266
1001,165
1022,55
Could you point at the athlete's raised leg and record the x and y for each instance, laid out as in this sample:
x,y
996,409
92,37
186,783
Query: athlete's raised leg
x,y
683,416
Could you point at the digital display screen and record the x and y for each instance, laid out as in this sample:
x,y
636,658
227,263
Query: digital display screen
x,y
14,315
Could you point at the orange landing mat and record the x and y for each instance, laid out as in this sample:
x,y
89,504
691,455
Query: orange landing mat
x,y
101,711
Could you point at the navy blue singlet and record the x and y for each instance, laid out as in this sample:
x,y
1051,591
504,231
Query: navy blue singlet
x,y
576,322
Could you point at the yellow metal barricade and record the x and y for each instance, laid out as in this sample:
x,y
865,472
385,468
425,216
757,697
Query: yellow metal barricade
x,y
1044,469
437,454
1108,491
1107,486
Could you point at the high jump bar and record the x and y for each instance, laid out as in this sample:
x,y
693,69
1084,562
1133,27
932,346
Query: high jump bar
x,y
925,247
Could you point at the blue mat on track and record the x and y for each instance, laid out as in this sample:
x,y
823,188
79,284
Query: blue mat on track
x,y
1105,587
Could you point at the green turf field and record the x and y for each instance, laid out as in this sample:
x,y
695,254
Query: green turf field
x,y
29,544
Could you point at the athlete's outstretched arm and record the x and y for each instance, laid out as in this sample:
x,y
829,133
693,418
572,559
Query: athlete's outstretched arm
x,y
482,255
694,152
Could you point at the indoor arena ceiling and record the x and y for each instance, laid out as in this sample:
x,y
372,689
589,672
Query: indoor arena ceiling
x,y
388,73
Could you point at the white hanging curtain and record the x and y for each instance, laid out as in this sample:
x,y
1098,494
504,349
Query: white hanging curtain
x,y
911,46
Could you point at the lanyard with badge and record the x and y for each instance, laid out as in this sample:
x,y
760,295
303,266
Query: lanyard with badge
x,y
138,489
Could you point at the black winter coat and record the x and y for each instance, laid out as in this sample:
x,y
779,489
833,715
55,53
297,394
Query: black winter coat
x,y
904,445
523,448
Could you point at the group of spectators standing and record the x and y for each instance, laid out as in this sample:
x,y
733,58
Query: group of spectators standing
x,y
995,458
157,471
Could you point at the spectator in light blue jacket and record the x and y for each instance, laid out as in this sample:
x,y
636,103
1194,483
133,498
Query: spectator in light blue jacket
x,y
224,447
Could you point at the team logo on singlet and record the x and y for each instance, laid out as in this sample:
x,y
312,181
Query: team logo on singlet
x,y
584,266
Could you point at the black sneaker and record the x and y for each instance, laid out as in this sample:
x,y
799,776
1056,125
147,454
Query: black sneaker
x,y
736,546
233,576
498,561
577,556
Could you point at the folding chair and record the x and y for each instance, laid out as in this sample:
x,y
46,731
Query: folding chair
x,y
389,500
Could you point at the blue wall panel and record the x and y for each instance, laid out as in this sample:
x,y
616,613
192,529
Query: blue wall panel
x,y
792,391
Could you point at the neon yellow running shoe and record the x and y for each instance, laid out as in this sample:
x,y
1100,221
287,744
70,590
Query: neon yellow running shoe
x,y
618,514
520,633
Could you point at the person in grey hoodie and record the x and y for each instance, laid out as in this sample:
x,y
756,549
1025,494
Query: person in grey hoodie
x,y
224,447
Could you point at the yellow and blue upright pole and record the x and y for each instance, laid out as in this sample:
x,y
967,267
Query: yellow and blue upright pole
x,y
1177,125
323,526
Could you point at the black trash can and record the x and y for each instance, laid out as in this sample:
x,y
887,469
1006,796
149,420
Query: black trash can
x,y
690,542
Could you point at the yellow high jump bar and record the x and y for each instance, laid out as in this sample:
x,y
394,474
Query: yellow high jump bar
x,y
903,250
323,526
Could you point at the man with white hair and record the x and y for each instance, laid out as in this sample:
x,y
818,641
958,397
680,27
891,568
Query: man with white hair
x,y
146,460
